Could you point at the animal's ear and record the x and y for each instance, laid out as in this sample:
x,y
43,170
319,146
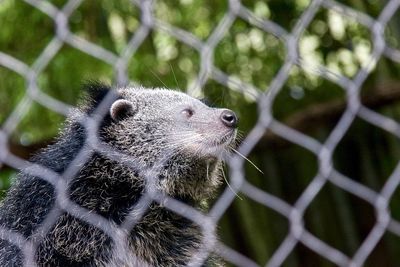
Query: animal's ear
x,y
95,93
122,109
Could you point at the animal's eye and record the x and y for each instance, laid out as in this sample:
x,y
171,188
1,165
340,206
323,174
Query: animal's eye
x,y
188,112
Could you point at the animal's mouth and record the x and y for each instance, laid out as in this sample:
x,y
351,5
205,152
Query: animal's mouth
x,y
219,145
211,144
225,140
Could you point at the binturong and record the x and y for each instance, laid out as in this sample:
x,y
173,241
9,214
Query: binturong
x,y
144,138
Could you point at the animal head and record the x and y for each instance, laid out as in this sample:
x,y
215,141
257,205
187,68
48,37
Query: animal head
x,y
178,135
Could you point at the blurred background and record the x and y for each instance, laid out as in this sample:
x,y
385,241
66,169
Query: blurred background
x,y
248,56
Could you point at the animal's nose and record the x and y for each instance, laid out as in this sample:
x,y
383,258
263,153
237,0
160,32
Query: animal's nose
x,y
229,118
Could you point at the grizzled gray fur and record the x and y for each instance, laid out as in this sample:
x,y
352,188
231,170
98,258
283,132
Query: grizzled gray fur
x,y
145,126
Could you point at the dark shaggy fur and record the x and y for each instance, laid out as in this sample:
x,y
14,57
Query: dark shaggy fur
x,y
142,125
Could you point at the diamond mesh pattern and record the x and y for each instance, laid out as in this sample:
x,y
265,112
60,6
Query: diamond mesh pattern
x,y
323,151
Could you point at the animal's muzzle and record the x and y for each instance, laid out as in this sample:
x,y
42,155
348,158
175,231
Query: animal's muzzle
x,y
229,118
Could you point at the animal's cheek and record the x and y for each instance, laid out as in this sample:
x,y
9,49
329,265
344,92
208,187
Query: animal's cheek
x,y
191,147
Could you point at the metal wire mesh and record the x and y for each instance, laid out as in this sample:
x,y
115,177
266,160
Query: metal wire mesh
x,y
265,99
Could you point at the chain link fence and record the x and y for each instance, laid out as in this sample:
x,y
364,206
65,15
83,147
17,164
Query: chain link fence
x,y
265,99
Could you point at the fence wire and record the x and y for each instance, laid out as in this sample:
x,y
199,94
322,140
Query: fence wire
x,y
264,97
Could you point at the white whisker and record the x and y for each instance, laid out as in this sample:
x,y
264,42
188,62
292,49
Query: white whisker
x,y
226,181
249,161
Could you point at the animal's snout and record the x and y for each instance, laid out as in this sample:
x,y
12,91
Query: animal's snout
x,y
229,118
